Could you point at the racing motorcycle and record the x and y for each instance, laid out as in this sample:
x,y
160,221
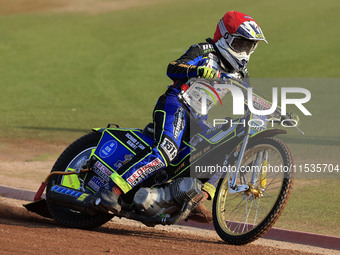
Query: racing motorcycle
x,y
252,189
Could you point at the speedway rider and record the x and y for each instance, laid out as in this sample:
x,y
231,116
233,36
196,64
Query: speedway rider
x,y
235,39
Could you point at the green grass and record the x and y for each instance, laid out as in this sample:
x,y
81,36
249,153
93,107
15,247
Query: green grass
x,y
313,207
62,74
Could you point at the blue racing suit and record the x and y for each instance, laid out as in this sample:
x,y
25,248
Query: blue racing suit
x,y
171,120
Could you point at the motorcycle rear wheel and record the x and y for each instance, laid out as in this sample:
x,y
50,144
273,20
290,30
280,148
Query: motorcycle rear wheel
x,y
73,156
243,217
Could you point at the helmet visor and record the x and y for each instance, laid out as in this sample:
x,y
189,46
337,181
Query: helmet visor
x,y
239,45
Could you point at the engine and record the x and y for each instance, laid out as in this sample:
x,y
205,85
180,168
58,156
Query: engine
x,y
168,200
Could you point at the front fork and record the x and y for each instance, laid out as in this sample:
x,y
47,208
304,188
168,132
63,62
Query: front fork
x,y
233,188
259,165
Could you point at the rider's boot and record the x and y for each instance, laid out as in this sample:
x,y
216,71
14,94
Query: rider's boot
x,y
200,213
109,198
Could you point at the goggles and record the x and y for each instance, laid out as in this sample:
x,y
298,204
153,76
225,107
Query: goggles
x,y
237,43
240,44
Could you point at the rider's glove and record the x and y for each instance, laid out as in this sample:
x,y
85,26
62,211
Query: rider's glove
x,y
206,72
291,116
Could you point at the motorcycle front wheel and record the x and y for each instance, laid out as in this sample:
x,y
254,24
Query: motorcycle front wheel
x,y
240,218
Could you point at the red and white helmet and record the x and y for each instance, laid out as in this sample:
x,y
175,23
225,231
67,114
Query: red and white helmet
x,y
236,38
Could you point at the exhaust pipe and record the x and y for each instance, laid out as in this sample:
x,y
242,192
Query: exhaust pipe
x,y
71,199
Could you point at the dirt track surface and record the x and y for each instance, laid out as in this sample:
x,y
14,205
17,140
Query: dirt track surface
x,y
22,232
26,163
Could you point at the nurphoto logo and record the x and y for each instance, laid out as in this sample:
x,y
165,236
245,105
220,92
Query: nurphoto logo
x,y
238,100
